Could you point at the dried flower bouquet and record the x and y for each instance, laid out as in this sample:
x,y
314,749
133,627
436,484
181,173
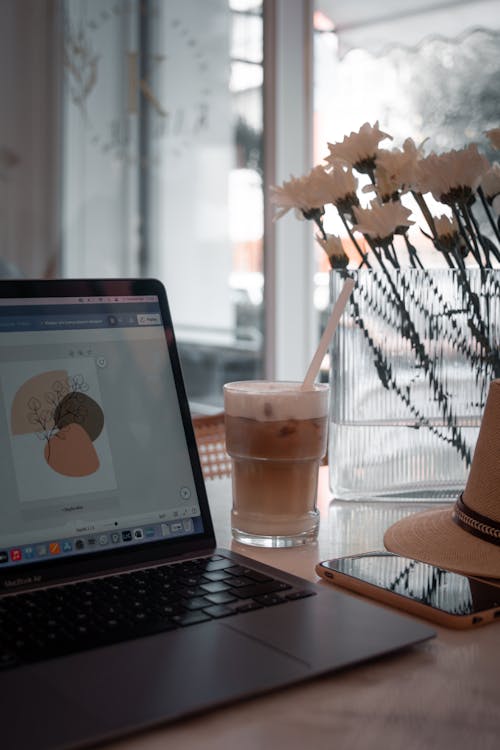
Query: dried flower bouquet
x,y
454,198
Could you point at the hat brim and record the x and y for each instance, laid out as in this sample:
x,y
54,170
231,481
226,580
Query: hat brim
x,y
433,537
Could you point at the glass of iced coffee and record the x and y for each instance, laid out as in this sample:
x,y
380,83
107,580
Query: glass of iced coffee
x,y
276,437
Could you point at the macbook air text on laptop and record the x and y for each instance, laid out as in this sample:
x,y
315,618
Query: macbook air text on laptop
x,y
117,612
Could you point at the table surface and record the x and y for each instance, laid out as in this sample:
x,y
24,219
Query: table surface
x,y
444,693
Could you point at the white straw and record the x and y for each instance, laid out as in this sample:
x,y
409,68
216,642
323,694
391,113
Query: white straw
x,y
330,329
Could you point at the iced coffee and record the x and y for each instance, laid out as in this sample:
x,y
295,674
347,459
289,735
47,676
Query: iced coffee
x,y
276,437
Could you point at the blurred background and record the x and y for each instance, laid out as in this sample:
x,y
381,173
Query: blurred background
x,y
140,137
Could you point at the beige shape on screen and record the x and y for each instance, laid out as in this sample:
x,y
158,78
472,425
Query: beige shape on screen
x,y
36,387
71,452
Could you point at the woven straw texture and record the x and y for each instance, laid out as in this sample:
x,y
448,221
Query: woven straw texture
x,y
211,440
434,537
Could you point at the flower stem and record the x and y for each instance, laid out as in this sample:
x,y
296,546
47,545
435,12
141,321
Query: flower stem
x,y
378,255
388,380
486,244
428,365
468,238
412,252
364,257
319,223
448,258
472,234
488,212
420,200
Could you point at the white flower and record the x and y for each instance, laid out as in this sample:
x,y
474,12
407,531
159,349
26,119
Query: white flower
x,y
445,226
382,220
303,193
447,233
334,248
494,136
340,187
395,169
452,176
358,149
491,181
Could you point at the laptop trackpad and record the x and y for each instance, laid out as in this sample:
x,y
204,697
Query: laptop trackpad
x,y
139,683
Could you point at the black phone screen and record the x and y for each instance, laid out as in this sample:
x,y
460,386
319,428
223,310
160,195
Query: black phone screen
x,y
441,589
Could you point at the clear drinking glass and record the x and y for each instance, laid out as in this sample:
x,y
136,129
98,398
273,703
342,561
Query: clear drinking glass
x,y
276,435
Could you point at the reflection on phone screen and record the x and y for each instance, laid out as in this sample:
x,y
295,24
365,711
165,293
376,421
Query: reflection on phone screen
x,y
450,592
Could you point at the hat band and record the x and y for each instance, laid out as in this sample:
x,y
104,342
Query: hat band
x,y
481,526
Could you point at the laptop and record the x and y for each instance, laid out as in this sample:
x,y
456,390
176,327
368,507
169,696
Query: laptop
x,y
117,610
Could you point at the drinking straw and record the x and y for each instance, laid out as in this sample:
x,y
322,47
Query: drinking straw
x,y
330,329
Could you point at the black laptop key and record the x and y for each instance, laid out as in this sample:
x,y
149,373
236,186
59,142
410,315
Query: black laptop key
x,y
222,597
214,587
218,565
217,575
239,581
191,580
198,602
190,618
219,610
237,570
302,594
167,610
259,589
269,600
254,575
191,591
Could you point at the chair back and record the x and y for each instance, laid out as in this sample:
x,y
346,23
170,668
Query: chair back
x,y
210,436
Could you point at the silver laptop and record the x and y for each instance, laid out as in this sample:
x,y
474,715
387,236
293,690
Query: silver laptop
x,y
117,611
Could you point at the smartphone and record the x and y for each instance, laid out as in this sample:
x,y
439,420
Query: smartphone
x,y
444,597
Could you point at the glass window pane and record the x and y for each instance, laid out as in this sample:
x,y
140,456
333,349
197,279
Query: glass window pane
x,y
417,75
132,145
163,168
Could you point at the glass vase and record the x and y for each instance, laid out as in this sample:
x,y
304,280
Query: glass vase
x,y
410,367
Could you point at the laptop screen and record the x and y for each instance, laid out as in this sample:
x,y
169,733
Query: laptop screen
x,y
96,454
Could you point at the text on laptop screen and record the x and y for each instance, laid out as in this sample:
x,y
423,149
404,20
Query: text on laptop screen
x,y
96,455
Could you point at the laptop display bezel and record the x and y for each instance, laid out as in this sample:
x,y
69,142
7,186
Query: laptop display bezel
x,y
61,568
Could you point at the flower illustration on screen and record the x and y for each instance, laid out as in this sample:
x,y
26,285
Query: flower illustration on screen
x,y
57,409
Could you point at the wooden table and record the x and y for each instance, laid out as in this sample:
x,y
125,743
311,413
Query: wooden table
x,y
442,694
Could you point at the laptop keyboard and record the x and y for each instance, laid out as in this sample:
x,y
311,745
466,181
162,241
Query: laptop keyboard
x,y
78,616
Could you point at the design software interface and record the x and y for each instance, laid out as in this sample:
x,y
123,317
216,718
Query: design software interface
x,y
93,447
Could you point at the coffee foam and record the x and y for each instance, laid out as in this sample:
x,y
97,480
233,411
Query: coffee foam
x,y
270,401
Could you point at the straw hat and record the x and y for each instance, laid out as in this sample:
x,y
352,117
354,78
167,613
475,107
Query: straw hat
x,y
466,536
